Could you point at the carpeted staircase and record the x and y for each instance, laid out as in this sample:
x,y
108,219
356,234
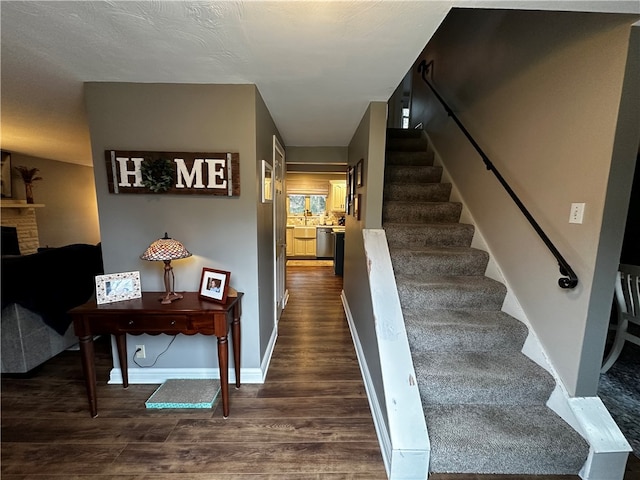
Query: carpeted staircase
x,y
484,401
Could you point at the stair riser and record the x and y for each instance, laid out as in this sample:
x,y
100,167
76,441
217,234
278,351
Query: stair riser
x,y
415,297
404,133
407,144
421,212
454,235
472,262
430,192
406,174
409,158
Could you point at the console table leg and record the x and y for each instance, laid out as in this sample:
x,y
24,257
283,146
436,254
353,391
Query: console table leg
x,y
121,344
223,362
235,332
88,366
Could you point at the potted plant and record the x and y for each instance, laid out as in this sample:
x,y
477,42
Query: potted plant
x,y
29,175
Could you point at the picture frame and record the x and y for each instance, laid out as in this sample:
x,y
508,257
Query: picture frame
x,y
350,189
116,287
357,206
267,182
214,285
5,175
359,173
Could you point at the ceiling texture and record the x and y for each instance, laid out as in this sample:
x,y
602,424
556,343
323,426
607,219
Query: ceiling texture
x,y
317,64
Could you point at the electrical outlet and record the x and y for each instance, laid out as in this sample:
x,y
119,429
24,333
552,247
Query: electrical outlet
x,y
577,213
140,353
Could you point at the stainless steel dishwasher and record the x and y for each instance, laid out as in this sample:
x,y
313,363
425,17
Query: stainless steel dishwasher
x,y
324,242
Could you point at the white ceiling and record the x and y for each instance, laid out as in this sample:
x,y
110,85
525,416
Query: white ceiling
x,y
317,64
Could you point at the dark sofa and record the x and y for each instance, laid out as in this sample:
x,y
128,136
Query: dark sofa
x,y
37,292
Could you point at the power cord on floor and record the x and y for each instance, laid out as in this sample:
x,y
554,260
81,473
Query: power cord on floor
x,y
159,355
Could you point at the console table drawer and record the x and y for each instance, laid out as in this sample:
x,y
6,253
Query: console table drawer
x,y
143,324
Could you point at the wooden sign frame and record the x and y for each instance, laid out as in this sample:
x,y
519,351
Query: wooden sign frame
x,y
181,173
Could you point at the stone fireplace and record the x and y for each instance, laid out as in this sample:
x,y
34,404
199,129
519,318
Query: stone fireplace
x,y
22,216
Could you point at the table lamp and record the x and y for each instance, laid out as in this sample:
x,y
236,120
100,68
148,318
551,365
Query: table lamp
x,y
167,249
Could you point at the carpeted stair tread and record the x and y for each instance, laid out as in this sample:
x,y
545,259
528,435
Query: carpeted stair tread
x,y
463,330
412,174
439,261
502,439
427,212
449,292
496,378
420,192
409,158
425,234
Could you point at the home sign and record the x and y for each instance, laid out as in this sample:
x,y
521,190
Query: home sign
x,y
186,173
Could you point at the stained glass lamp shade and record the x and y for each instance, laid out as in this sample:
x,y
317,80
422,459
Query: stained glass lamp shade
x,y
166,249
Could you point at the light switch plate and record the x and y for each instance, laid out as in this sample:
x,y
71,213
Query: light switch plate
x,y
577,213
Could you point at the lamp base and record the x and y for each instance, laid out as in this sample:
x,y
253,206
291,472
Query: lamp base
x,y
170,297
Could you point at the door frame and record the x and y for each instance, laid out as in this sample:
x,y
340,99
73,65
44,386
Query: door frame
x,y
281,294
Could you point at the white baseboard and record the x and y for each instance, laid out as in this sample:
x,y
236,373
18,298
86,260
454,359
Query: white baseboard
x,y
376,411
160,375
266,360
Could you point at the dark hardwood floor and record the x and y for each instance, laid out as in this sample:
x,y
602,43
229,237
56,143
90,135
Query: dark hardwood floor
x,y
309,420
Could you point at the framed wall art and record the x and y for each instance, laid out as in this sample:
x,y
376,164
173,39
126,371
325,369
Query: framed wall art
x,y
214,285
116,287
359,173
5,174
351,187
357,206
267,182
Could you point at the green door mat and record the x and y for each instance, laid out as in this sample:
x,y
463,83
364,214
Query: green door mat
x,y
185,393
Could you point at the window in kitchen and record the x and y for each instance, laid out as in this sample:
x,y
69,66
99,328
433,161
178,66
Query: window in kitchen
x,y
316,204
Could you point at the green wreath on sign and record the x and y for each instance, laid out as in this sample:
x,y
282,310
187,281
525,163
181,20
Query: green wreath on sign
x,y
158,175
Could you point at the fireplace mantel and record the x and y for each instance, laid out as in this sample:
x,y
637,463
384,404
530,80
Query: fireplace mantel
x,y
22,205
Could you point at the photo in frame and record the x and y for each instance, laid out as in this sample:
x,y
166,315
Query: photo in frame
x,y
359,174
267,182
116,287
214,285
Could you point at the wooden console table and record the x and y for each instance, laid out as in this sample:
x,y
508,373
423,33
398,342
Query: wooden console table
x,y
189,316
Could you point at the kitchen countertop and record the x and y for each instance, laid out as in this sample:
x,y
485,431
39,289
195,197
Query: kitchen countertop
x,y
316,226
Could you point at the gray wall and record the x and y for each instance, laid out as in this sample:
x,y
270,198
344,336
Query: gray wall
x,y
368,144
67,190
315,155
221,232
540,92
265,129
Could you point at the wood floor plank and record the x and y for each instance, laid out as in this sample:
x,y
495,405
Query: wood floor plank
x,y
228,457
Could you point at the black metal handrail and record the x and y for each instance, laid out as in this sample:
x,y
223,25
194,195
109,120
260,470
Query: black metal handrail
x,y
565,268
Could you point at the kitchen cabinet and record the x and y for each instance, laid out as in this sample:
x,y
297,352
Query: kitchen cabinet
x,y
338,195
304,247
304,241
289,240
